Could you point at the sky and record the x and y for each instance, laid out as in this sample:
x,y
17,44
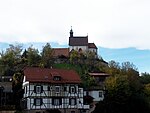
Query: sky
x,y
113,24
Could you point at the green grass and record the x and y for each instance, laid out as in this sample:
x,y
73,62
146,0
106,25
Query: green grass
x,y
77,68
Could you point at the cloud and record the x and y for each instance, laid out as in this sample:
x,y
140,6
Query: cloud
x,y
112,24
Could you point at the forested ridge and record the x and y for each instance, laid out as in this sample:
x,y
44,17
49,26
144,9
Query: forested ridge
x,y
126,91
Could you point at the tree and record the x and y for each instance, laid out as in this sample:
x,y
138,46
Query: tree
x,y
87,80
33,57
124,92
74,57
145,78
17,89
46,56
91,60
10,59
113,68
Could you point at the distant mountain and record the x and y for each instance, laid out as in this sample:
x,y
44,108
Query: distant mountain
x,y
140,58
38,45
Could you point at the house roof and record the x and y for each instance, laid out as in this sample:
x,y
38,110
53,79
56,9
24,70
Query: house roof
x,y
60,51
78,41
99,74
36,74
92,45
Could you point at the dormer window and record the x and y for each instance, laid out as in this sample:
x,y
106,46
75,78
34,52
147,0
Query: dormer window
x,y
57,78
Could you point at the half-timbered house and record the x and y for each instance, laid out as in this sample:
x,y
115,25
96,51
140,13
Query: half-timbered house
x,y
46,89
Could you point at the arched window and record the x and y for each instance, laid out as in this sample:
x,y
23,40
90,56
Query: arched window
x,y
80,50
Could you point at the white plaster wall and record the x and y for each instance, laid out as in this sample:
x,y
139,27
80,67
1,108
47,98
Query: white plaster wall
x,y
84,48
28,103
93,50
95,95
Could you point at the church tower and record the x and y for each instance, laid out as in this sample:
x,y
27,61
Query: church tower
x,y
71,33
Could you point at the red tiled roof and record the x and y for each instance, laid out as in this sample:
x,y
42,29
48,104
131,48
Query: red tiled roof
x,y
35,74
92,45
61,51
78,41
99,74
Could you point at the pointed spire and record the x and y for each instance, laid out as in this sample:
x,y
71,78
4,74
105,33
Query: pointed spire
x,y
71,32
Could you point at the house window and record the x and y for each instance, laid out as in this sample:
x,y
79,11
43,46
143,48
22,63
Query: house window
x,y
72,101
38,89
38,101
80,50
48,88
57,78
100,94
87,93
80,90
56,101
57,89
65,88
72,89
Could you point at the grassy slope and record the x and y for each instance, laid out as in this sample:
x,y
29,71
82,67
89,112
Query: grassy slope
x,y
77,68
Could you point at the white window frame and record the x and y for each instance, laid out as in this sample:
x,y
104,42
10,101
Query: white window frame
x,y
56,102
57,89
38,89
72,101
38,101
72,89
80,90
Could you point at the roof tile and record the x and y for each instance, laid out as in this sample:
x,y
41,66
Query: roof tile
x,y
78,41
36,74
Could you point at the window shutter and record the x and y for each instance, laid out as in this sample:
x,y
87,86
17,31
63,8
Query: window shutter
x,y
70,89
41,89
75,89
52,101
70,101
41,101
34,102
60,101
75,101
34,89
48,88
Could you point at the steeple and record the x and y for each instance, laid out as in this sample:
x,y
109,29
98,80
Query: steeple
x,y
71,32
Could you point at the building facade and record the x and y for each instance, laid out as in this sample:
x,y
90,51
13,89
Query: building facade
x,y
97,92
46,89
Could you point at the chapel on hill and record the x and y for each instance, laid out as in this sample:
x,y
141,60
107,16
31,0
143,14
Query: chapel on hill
x,y
77,43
